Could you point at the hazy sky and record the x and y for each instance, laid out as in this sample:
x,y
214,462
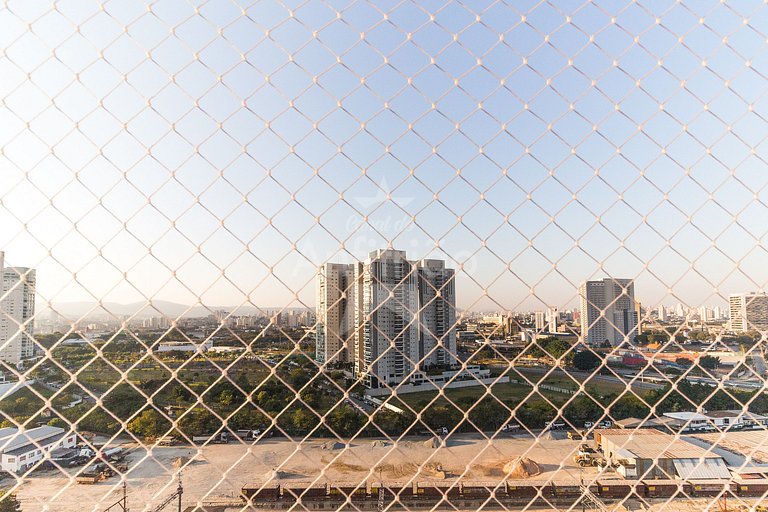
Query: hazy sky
x,y
221,153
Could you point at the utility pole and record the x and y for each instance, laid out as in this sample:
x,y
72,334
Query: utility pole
x,y
180,491
380,504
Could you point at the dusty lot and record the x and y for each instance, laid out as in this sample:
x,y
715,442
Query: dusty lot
x,y
221,470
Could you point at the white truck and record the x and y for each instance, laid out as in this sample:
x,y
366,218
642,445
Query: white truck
x,y
220,438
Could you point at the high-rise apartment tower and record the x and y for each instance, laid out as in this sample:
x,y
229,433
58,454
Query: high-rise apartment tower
x,y
608,311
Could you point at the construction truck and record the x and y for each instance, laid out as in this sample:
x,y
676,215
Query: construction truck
x,y
98,473
94,474
167,441
587,459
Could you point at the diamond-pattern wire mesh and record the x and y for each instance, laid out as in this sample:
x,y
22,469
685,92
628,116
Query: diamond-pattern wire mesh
x,y
220,153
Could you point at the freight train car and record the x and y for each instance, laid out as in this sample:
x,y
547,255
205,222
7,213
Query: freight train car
x,y
430,491
474,491
619,489
709,488
478,490
665,489
256,493
751,488
303,492
524,491
355,492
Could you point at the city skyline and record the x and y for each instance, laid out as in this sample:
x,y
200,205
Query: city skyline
x,y
530,165
383,254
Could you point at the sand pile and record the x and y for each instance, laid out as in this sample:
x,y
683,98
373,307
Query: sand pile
x,y
434,470
406,469
180,461
521,468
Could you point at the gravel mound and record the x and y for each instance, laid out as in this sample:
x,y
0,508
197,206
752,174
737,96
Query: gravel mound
x,y
521,468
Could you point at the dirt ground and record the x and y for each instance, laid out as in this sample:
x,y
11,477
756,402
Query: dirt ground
x,y
219,471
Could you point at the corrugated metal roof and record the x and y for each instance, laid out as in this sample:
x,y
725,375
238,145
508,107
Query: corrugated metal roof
x,y
23,447
707,469
35,435
652,444
8,432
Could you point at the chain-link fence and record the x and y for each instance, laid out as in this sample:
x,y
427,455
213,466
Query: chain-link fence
x,y
388,255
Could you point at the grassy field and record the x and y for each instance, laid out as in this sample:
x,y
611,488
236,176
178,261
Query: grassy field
x,y
507,392
572,381
513,393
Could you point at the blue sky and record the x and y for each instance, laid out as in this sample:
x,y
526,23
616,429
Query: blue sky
x,y
221,153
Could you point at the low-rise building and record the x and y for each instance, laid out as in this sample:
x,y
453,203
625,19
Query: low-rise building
x,y
713,420
20,450
650,454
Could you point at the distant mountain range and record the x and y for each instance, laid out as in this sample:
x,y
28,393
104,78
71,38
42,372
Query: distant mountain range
x,y
75,310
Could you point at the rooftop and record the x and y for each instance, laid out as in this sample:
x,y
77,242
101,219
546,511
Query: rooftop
x,y
652,444
14,440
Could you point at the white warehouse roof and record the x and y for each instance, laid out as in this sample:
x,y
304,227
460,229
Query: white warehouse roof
x,y
697,469
15,439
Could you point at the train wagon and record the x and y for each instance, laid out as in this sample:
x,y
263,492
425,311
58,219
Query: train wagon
x,y
437,491
304,491
521,490
257,493
547,490
563,491
751,488
665,489
479,490
618,489
391,491
710,488
355,492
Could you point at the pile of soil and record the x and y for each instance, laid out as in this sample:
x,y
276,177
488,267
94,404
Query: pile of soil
x,y
521,468
276,475
406,469
434,470
179,462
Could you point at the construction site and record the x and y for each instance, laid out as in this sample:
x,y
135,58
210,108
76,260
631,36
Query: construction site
x,y
464,472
